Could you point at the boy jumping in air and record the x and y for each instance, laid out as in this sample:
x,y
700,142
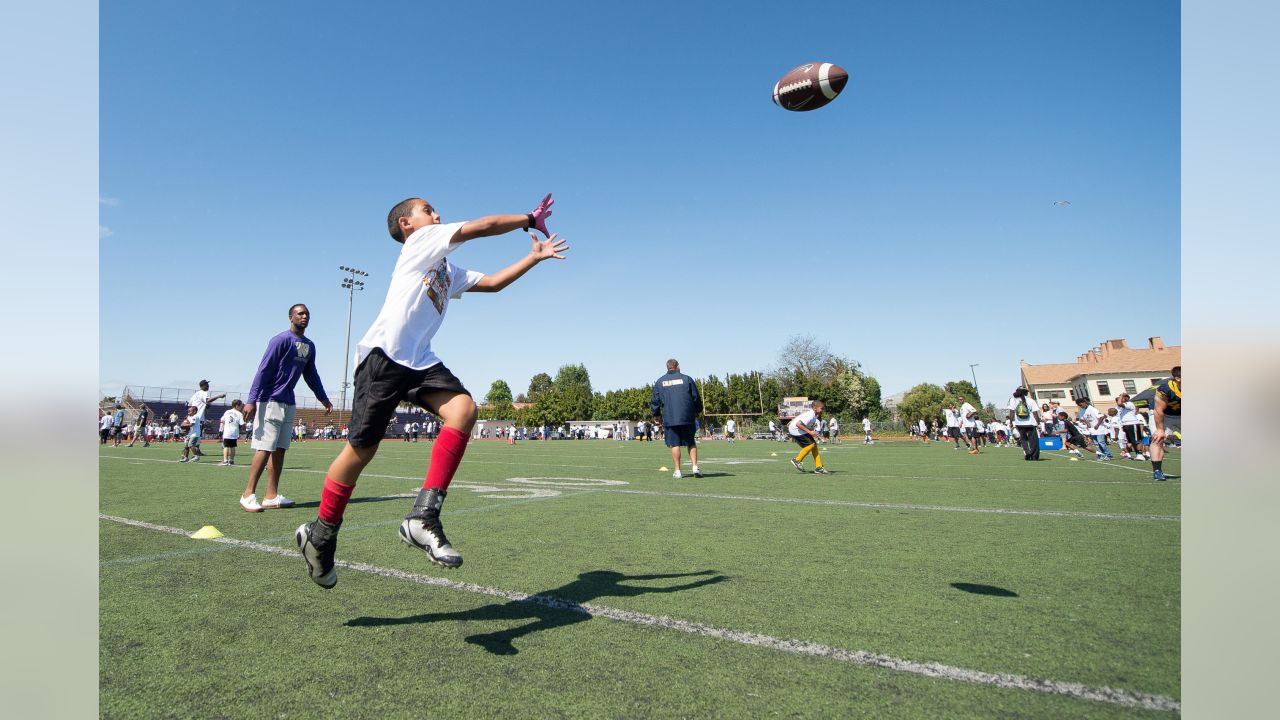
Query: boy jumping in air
x,y
396,362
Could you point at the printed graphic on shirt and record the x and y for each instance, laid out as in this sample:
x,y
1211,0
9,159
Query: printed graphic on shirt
x,y
669,383
437,282
304,350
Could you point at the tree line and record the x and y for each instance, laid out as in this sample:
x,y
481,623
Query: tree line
x,y
805,367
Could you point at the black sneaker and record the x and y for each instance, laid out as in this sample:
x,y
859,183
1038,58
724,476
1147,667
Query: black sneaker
x,y
796,464
821,471
422,529
317,540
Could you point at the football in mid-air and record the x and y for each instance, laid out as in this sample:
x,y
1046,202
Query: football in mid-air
x,y
809,86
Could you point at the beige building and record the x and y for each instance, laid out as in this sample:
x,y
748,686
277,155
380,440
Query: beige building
x,y
1103,373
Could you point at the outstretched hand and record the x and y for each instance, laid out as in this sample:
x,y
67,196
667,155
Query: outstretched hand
x,y
540,215
549,248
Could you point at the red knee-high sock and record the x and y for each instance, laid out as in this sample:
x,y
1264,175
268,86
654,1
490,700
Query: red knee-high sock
x,y
333,501
446,455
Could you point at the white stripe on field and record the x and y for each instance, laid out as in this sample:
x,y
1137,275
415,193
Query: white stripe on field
x,y
1112,463
807,501
905,506
1114,696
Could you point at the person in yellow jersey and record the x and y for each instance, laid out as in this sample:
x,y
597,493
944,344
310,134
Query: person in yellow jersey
x,y
803,429
1168,419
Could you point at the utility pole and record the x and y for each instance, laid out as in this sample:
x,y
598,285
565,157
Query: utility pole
x,y
350,284
975,377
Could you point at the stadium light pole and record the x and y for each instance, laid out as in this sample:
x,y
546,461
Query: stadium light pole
x,y
351,284
975,377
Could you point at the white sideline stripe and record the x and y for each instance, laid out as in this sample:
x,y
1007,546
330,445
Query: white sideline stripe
x,y
905,506
1114,696
807,501
1113,463
852,473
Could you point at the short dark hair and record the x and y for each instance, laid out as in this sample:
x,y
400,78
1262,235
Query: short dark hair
x,y
297,305
1176,371
404,208
673,365
1019,392
1082,400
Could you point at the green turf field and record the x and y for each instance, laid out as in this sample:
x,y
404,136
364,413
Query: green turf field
x,y
916,581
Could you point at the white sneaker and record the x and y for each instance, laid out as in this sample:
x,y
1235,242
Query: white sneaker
x,y
697,472
278,501
676,475
250,504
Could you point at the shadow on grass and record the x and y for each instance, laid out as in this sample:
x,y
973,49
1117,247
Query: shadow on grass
x,y
551,609
316,503
984,589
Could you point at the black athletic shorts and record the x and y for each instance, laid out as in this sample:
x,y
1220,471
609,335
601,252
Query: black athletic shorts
x,y
953,432
381,383
680,436
228,442
1133,433
803,441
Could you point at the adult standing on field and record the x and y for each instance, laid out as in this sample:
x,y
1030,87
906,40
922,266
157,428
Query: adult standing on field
x,y
1026,418
141,428
199,402
1168,419
968,421
675,397
288,357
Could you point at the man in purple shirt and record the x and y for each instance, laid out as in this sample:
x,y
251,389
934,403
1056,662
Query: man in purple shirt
x,y
289,356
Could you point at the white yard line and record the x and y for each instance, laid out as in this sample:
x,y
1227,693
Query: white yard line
x,y
906,506
808,501
1113,463
850,473
1114,696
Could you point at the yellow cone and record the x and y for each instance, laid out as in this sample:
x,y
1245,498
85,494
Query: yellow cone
x,y
208,532
664,468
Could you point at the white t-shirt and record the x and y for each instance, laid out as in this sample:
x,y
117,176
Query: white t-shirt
x,y
731,426
953,420
965,420
807,419
199,401
1089,418
422,283
866,424
106,422
1030,419
772,427
833,425
1129,414
231,422
924,426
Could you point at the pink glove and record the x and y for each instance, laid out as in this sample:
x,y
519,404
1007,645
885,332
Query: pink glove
x,y
540,215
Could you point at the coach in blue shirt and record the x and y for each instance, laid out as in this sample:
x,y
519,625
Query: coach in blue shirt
x,y
676,399
290,356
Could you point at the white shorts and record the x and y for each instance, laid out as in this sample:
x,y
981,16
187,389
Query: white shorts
x,y
273,426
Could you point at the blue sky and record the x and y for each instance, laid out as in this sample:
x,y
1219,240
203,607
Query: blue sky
x,y
249,149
